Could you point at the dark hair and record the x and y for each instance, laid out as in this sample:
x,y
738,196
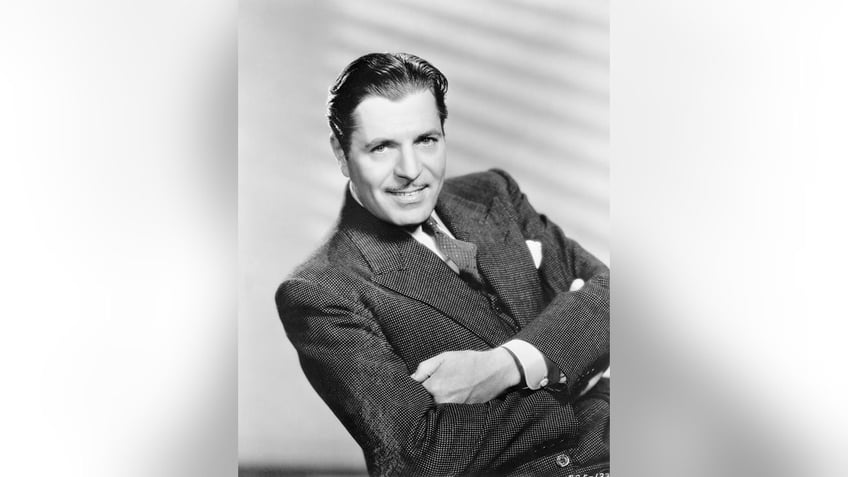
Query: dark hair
x,y
388,75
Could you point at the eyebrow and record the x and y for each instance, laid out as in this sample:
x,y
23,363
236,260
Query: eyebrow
x,y
382,141
432,132
378,142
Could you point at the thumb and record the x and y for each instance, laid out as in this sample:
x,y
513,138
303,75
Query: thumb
x,y
426,368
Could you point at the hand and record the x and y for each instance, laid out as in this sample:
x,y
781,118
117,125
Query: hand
x,y
467,376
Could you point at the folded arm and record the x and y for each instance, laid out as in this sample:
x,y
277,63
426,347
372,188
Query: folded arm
x,y
400,427
566,348
572,331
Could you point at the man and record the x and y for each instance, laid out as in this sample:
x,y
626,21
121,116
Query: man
x,y
444,321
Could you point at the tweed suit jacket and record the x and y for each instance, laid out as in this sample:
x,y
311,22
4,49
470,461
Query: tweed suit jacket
x,y
372,303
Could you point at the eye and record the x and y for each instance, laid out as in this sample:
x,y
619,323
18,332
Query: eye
x,y
379,148
428,140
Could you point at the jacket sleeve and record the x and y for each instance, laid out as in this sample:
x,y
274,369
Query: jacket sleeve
x,y
402,431
572,331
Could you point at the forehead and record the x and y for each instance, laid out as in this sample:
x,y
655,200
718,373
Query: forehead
x,y
413,113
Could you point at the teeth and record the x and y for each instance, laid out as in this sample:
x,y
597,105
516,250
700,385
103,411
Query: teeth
x,y
407,193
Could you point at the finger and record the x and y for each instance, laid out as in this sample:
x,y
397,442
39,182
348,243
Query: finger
x,y
576,284
426,368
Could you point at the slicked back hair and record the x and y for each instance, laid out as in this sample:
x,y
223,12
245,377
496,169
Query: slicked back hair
x,y
387,75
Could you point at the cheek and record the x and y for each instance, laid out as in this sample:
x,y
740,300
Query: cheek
x,y
436,162
370,175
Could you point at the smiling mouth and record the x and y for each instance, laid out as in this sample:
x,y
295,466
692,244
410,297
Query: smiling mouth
x,y
406,192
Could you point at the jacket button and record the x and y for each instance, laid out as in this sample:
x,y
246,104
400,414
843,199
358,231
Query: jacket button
x,y
562,460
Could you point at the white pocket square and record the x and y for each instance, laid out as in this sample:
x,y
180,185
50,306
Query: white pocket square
x,y
535,248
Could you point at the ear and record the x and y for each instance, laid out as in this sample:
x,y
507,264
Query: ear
x,y
340,155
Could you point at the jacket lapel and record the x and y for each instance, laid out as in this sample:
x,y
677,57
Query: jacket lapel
x,y
403,265
502,254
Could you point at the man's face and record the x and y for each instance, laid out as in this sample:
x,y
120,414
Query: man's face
x,y
396,160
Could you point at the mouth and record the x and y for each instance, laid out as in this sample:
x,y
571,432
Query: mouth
x,y
407,192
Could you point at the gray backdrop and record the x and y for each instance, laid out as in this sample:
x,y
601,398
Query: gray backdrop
x,y
528,93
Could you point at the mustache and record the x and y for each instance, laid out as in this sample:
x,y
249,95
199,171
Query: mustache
x,y
407,188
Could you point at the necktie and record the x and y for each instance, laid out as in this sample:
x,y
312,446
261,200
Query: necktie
x,y
462,254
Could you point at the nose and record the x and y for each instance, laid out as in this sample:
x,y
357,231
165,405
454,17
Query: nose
x,y
408,165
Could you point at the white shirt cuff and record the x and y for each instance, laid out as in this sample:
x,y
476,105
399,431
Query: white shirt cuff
x,y
532,362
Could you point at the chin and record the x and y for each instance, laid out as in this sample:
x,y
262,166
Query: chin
x,y
410,217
